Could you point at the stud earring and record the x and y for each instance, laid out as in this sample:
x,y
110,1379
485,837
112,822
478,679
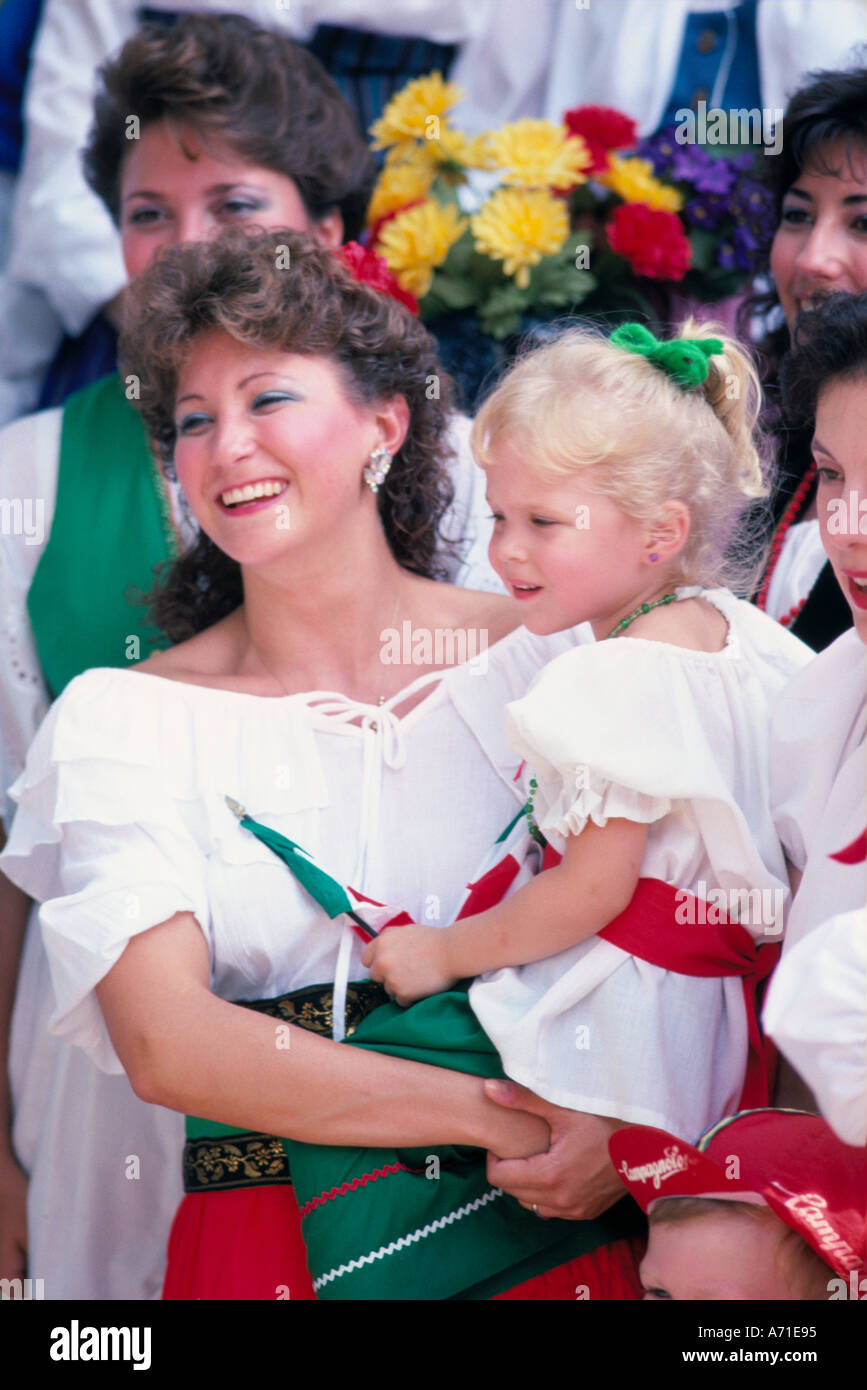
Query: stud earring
x,y
375,471
654,555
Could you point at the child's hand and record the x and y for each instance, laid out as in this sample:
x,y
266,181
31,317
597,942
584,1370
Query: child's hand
x,y
411,962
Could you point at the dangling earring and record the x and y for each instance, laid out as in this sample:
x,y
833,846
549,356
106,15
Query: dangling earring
x,y
375,471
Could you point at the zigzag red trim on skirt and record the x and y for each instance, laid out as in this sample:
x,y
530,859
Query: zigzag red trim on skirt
x,y
345,1187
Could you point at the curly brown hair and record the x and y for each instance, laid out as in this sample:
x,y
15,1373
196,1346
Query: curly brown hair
x,y
237,285
255,91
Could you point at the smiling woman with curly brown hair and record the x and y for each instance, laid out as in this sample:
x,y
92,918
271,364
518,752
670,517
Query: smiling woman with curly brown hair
x,y
278,292
236,126
293,400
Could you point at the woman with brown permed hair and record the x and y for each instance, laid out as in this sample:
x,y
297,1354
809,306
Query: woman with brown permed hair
x,y
211,123
310,456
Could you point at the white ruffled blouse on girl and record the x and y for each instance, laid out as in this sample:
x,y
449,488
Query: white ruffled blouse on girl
x,y
676,739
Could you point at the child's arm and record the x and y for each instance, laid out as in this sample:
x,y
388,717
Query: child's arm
x,y
591,886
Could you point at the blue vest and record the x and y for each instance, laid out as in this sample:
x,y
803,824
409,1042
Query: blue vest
x,y
18,21
703,53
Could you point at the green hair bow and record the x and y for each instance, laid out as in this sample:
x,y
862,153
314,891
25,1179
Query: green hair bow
x,y
685,360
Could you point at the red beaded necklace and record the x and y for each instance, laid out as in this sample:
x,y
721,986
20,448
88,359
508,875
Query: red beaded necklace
x,y
789,517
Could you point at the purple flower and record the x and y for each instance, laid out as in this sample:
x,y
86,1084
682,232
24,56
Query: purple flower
x,y
706,211
744,248
707,174
739,251
718,176
660,149
689,163
756,200
753,207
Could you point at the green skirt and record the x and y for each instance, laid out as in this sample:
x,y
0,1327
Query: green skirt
x,y
392,1223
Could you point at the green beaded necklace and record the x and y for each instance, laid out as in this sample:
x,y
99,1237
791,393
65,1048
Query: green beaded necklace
x,y
639,612
621,627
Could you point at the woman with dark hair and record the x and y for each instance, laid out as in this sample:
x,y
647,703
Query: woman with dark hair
x,y
818,754
293,402
211,123
819,182
238,87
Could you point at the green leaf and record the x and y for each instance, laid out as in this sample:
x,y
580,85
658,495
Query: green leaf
x,y
460,256
500,327
445,191
454,294
500,314
704,248
507,299
567,297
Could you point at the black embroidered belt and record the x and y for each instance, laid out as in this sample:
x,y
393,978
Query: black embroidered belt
x,y
230,1159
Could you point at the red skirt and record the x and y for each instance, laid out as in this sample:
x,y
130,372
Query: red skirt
x,y
247,1245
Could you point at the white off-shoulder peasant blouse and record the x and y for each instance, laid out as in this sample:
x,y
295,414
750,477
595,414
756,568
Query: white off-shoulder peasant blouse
x,y
678,740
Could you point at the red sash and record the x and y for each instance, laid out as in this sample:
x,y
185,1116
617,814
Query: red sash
x,y
652,928
649,929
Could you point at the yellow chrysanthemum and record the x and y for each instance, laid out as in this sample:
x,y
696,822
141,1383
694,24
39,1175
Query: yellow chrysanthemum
x,y
408,115
418,240
441,154
539,154
412,152
633,180
399,184
457,147
519,227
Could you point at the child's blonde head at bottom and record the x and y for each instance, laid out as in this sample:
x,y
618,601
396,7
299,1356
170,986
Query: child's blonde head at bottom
x,y
710,1248
581,402
767,1204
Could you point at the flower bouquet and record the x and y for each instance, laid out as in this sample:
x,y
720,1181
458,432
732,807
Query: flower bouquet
x,y
516,253
677,218
577,215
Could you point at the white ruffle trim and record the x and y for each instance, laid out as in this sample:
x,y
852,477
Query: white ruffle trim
x,y
111,754
585,795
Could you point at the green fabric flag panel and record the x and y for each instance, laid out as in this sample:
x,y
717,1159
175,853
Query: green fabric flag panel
x,y
112,526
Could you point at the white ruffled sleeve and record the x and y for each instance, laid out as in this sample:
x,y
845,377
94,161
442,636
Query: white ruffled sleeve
x,y
104,839
615,730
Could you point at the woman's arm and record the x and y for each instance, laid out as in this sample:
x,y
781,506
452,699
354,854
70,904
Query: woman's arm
x,y
591,886
184,1048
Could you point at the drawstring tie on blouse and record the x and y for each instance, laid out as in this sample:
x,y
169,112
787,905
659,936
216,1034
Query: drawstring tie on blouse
x,y
383,746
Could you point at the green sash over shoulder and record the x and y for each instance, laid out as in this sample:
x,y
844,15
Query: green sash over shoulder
x,y
112,525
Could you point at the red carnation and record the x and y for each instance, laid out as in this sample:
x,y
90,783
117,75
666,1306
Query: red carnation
x,y
602,129
369,268
652,241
